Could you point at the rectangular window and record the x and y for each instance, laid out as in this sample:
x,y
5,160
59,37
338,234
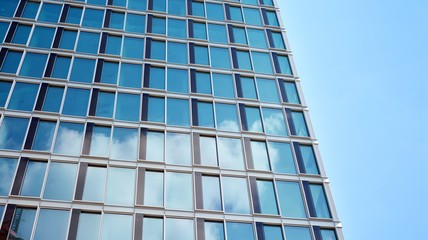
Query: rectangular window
x,y
266,196
274,121
4,92
203,82
158,51
238,231
328,234
174,229
124,144
89,226
156,109
267,90
230,153
153,188
8,8
69,139
178,112
116,20
33,65
61,67
76,102
120,186
137,4
52,224
105,104
113,45
177,7
208,151
156,77
53,99
22,33
254,121
260,155
199,30
272,18
214,230
7,171
223,85
130,46
226,117
178,80
50,13
257,38
74,15
179,192
100,141
44,136
201,55
110,72
243,59
23,96
278,40
236,14
117,226
262,63
252,16
290,199
215,11
319,200
68,40
11,62
177,28
156,228
135,23
198,8
308,159
128,107
281,158
159,5
178,149
3,30
30,10
217,33
177,52
239,35
272,232
88,42
291,92
284,65
22,223
158,25
205,114
300,233
211,193
82,70
299,124
155,146
13,132
93,18
220,58
60,181
95,182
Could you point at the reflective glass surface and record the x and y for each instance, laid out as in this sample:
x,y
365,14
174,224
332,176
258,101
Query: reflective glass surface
x,y
23,96
299,124
53,99
157,78
177,28
4,92
76,102
267,90
113,45
291,92
178,150
205,114
177,52
95,180
178,112
215,11
33,65
272,19
89,226
30,10
74,14
128,107
217,33
309,159
159,25
21,34
220,58
116,226
42,37
69,138
177,7
297,233
254,121
133,47
22,224
159,5
281,157
252,16
239,231
214,230
105,104
199,30
153,188
284,64
262,63
320,201
274,121
260,156
198,9
272,232
235,196
60,181
230,153
124,144
156,109
13,132
82,70
179,192
226,117
50,13
11,62
239,35
290,199
155,146
203,83
211,193
328,234
256,38
44,135
137,4
88,42
3,29
244,60
100,141
201,55
110,72
120,186
93,18
158,50
177,80
248,88
208,150
116,20
223,85
8,8
68,40
267,197
278,40
174,229
7,172
61,67
236,14
51,224
156,228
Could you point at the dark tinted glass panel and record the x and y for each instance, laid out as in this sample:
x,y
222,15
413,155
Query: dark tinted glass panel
x,y
50,12
178,80
76,102
157,78
215,11
44,135
178,149
53,99
110,72
128,107
135,23
130,75
11,62
217,33
33,179
8,8
177,28
51,224
156,109
239,231
226,117
203,83
267,197
230,153
320,201
223,85
4,92
113,45
120,186
88,42
93,18
3,29
100,141
33,65
69,138
178,112
7,171
177,52
281,158
82,70
30,10
13,132
95,181
297,233
21,34
68,40
23,96
22,223
133,47
61,67
177,7
74,15
274,122
124,144
220,58
60,181
116,20
290,199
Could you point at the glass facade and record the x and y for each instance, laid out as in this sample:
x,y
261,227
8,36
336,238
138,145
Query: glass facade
x,y
136,119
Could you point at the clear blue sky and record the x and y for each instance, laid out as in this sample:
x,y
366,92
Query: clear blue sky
x,y
364,71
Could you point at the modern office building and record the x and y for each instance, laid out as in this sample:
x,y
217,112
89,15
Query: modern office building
x,y
157,119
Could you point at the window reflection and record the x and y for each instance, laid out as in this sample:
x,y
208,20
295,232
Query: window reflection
x,y
297,233
281,157
116,226
214,230
320,201
120,186
290,199
179,191
155,146
33,179
12,133
178,149
239,231
60,181
51,224
254,121
7,171
299,123
208,150
178,112
76,102
272,232
95,182
274,121
260,156
174,229
267,197
23,96
128,107
230,153
328,234
211,193
205,114
226,117
44,135
125,143
267,90
89,226
153,188
100,141
235,194
69,138
309,160
156,228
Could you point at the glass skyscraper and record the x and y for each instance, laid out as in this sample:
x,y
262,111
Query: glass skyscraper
x,y
155,120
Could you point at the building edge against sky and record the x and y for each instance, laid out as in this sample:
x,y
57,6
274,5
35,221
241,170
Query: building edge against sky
x,y
121,116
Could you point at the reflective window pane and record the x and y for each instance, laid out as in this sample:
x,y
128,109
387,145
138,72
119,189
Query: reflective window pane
x,y
155,146
82,70
309,160
179,192
215,11
157,78
248,88
205,114
153,188
239,35
177,28
244,60
61,67
211,193
156,109
74,14
89,226
290,199
22,223
297,233
223,85
281,157
95,179
235,196
42,37
174,229
178,149
199,30
159,5
278,40
260,156
267,197
177,7
203,83
214,230
130,75
116,20
76,102
53,99
51,224
230,153
13,132
220,58
68,40
252,16
113,45
128,107
50,13
109,73
236,14
274,121
8,8
299,124
33,179
226,117
320,201
30,10
254,122
208,151
137,4
328,234
21,34
267,90
262,63
33,65
124,144
156,228
69,139
120,186
178,112
105,104
272,19
159,25
7,172
11,62
217,33
257,38
44,136
158,50
177,53
198,9
60,181
239,231
88,42
4,92
115,226
273,232
201,55
100,140
291,92
130,46
177,80
93,18
284,64
23,96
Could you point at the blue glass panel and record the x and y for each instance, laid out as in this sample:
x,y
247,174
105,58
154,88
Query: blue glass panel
x,y
22,224
281,158
252,16
223,85
177,52
155,151
157,78
120,3
68,40
244,60
7,171
34,65
74,15
199,30
2,208
268,2
51,224
230,153
215,11
21,34
44,135
116,20
220,58
273,232
251,2
130,46
110,72
254,121
100,141
4,92
248,88
61,67
156,228
156,110
95,182
60,181
82,70
96,2
291,91
211,193
3,29
236,14
262,62
23,96
76,102
120,187
159,25
178,80
201,55
217,33
284,64
177,7
278,40
239,231
257,38
239,35
135,23
11,62
203,83
290,199
297,233
130,75
226,116
88,42
128,107
260,156
125,143
214,230
89,226
205,114
198,9
42,37
137,4
178,112
309,159
93,18
159,5
50,12
274,122
30,10
113,45
299,124
179,199
177,28
272,19
8,8
328,234
267,90
69,138
53,99
105,104
33,179
158,50
236,196
267,197
320,201
174,229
